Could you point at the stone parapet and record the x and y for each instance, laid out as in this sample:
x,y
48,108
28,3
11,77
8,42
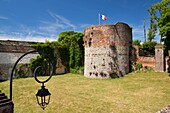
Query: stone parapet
x,y
6,105
15,46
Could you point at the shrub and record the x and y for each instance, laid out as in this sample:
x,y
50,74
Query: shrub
x,y
22,71
136,67
139,66
136,42
81,70
149,48
74,71
148,69
77,70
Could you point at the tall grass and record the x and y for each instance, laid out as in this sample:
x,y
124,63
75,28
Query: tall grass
x,y
134,93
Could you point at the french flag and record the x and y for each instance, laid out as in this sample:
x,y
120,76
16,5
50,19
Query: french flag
x,y
103,17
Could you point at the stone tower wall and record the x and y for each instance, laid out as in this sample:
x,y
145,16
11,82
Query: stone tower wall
x,y
107,49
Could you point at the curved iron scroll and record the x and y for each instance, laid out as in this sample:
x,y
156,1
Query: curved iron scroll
x,y
35,75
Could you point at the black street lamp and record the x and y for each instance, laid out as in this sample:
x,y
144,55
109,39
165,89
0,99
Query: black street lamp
x,y
43,95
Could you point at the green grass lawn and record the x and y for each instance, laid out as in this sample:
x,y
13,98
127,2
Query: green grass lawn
x,y
134,93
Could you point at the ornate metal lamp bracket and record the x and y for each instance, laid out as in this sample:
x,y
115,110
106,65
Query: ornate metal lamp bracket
x,y
43,92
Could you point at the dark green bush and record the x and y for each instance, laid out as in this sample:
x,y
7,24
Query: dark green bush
x,y
137,67
149,48
22,71
78,70
148,69
136,42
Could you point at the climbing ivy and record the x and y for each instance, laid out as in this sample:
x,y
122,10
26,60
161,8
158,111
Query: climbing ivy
x,y
74,42
69,48
47,52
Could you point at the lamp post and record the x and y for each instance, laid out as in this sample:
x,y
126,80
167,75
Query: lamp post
x,y
43,95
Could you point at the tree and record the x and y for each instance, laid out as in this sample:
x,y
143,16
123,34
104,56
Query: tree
x,y
74,42
136,42
159,17
164,26
164,22
153,26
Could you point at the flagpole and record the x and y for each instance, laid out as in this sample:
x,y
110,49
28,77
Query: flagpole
x,y
99,18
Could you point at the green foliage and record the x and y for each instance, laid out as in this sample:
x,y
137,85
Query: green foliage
x,y
153,25
19,73
74,71
164,26
78,70
46,51
137,67
149,47
159,17
74,42
35,62
47,54
164,22
69,48
63,53
136,42
152,31
148,69
22,71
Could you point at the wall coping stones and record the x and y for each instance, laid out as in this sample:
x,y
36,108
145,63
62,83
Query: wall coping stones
x,y
10,46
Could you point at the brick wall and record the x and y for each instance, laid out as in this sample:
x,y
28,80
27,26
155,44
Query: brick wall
x,y
157,62
107,49
147,61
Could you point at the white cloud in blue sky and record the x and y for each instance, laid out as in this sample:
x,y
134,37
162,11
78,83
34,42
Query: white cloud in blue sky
x,y
46,30
37,20
3,18
58,23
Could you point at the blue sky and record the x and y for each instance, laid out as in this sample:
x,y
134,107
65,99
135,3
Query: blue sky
x,y
39,20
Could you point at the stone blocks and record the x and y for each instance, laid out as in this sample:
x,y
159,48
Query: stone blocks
x,y
107,50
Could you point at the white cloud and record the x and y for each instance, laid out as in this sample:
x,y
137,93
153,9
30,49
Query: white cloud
x,y
61,20
59,23
46,30
30,39
3,18
138,33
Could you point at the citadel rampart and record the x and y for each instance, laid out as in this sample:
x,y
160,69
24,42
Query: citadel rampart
x,y
10,51
107,50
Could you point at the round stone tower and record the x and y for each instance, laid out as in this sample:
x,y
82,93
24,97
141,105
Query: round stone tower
x,y
107,50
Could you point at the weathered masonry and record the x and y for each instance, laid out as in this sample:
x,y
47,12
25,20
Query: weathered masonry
x,y
10,51
6,105
107,50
